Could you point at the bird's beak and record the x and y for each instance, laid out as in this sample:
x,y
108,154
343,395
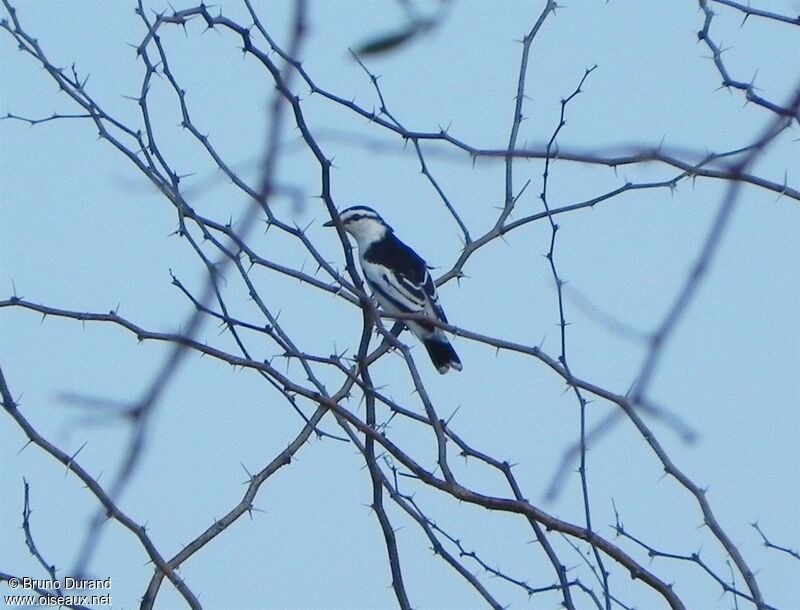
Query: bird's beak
x,y
330,223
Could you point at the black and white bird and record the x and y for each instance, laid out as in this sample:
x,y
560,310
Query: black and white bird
x,y
399,280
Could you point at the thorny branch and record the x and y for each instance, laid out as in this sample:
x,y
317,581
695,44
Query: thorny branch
x,y
395,471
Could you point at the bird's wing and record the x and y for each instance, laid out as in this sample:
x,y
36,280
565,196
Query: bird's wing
x,y
416,280
399,276
393,288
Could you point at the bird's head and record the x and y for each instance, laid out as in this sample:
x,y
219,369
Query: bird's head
x,y
363,223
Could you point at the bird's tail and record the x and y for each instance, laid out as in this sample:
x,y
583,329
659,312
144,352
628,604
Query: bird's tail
x,y
442,354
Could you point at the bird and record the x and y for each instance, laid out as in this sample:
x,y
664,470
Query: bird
x,y
399,280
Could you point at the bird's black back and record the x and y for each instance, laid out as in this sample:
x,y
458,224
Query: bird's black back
x,y
394,254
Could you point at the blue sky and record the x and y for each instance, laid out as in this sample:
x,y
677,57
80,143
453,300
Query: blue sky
x,y
82,230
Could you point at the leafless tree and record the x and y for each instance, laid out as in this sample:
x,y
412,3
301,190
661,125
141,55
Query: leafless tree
x,y
337,397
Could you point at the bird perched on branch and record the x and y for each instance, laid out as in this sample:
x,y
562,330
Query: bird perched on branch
x,y
399,280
